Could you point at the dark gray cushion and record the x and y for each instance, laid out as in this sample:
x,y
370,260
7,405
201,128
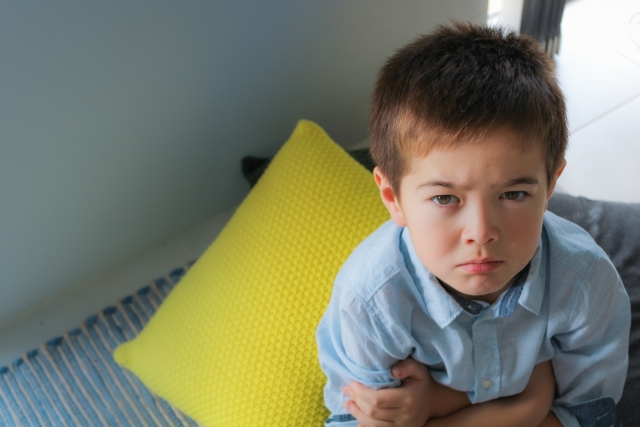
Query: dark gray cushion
x,y
616,228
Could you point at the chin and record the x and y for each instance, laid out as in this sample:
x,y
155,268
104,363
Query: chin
x,y
484,287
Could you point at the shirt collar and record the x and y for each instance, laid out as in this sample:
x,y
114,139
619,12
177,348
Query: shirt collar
x,y
442,308
534,287
527,290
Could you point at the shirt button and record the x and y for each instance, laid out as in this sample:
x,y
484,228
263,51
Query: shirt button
x,y
486,384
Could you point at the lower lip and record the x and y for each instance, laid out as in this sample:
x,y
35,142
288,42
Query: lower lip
x,y
484,267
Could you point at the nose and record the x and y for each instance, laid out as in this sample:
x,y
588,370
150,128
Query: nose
x,y
481,225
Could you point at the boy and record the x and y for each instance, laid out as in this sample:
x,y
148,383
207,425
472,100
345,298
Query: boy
x,y
520,318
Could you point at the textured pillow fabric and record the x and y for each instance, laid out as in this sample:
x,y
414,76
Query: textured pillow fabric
x,y
234,342
616,228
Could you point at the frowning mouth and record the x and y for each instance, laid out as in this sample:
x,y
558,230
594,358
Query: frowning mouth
x,y
480,266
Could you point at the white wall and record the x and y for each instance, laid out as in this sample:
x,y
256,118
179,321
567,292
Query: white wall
x,y
123,123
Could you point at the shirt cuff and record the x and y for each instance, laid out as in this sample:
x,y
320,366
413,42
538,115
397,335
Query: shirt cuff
x,y
565,417
341,420
594,413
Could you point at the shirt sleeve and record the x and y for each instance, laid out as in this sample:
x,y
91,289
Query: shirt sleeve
x,y
591,359
353,346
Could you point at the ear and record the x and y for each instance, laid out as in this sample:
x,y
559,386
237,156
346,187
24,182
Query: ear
x,y
389,197
552,185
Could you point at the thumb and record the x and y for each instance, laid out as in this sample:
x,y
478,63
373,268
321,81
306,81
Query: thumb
x,y
409,368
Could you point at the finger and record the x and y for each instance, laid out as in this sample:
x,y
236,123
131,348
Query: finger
x,y
386,398
409,368
363,418
379,414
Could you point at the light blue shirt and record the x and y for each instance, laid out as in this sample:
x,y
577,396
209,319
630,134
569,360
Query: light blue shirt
x,y
570,307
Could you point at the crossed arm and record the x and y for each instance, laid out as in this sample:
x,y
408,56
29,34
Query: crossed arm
x,y
592,342
421,402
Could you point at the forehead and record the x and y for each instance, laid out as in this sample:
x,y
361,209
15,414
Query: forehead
x,y
496,155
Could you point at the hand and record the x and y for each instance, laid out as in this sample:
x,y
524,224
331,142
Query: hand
x,y
406,406
527,409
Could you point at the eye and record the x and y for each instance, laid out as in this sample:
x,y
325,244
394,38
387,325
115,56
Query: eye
x,y
444,200
514,195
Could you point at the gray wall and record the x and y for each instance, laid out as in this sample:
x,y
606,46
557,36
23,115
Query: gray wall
x,y
123,123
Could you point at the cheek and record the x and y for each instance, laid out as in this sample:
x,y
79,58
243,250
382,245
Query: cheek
x,y
523,233
433,241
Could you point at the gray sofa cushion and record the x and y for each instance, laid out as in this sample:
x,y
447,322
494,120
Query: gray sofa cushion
x,y
616,228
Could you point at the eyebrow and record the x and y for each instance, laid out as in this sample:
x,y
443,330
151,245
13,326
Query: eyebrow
x,y
527,180
446,184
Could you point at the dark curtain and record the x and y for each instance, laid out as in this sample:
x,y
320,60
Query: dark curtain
x,y
541,20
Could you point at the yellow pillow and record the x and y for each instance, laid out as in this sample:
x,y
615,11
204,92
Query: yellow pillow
x,y
234,342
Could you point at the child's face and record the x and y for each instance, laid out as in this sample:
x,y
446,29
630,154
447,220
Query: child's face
x,y
474,212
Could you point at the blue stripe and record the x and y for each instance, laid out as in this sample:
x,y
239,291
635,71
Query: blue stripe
x,y
341,418
12,403
117,393
101,377
21,401
76,390
4,410
93,394
99,395
45,407
55,396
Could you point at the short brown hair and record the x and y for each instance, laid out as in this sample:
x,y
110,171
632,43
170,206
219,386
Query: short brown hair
x,y
459,83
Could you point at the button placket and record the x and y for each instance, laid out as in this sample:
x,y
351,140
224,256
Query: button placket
x,y
486,354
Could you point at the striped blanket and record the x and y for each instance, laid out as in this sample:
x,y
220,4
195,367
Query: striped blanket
x,y
73,381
